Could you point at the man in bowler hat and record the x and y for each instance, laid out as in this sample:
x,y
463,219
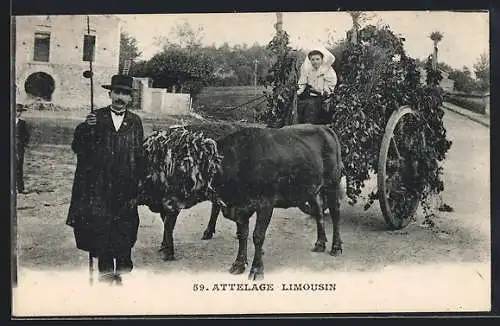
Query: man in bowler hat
x,y
22,140
110,163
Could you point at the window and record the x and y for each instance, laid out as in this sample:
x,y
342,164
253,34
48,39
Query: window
x,y
88,47
42,47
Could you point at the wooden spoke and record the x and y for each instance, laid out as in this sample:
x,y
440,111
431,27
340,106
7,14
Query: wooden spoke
x,y
395,146
397,203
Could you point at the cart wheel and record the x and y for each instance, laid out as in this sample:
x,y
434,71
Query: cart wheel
x,y
397,203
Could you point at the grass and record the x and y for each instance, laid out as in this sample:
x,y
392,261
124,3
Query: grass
x,y
216,103
46,128
472,104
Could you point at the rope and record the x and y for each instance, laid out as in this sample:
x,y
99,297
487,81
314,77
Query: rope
x,y
230,109
253,100
256,105
211,118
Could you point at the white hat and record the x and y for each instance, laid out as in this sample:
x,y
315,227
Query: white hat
x,y
328,59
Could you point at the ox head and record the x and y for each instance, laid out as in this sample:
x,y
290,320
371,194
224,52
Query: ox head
x,y
181,168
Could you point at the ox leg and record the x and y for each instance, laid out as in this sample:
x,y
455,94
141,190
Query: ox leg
x,y
169,218
210,230
319,215
241,261
163,216
333,204
264,214
242,218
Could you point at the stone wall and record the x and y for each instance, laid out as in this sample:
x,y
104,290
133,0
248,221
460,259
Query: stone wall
x,y
66,65
159,101
71,90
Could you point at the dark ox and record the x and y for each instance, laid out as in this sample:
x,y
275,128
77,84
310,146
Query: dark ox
x,y
153,196
295,166
288,167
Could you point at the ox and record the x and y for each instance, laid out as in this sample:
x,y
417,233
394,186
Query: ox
x,y
288,167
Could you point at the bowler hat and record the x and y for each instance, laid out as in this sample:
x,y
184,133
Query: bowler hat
x,y
120,82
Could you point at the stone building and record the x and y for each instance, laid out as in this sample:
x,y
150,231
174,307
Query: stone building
x,y
52,52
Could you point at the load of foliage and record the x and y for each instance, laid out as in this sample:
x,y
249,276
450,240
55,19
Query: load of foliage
x,y
281,83
376,77
180,162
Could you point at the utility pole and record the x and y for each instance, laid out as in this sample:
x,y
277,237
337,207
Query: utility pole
x,y
255,62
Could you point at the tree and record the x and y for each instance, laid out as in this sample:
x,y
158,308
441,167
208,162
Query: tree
x,y
138,69
358,17
184,69
436,37
182,64
182,35
241,60
482,71
445,67
463,80
128,49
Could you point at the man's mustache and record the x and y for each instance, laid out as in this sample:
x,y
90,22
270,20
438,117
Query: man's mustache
x,y
119,102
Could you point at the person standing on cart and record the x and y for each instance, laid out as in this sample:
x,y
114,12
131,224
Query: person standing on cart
x,y
316,84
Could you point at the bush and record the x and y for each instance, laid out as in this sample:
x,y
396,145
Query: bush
x,y
468,104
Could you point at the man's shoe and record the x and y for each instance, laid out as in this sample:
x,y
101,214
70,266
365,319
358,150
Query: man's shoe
x,y
124,265
107,278
118,280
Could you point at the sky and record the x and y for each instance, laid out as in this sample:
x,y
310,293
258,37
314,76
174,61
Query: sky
x,y
466,35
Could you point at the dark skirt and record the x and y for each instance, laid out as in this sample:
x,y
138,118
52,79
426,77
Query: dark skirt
x,y
311,109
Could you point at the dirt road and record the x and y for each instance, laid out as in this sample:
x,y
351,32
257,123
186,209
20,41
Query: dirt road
x,y
460,238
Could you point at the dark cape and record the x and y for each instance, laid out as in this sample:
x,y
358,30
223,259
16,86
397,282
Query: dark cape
x,y
103,209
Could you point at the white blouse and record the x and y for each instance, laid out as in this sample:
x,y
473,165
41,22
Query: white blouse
x,y
323,79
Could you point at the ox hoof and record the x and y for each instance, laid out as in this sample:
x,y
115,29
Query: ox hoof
x,y
319,247
336,251
207,235
168,256
256,274
237,268
162,248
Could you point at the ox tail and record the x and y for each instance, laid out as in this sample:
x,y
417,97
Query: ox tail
x,y
339,147
340,168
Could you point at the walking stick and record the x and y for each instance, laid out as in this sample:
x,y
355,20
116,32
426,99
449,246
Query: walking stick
x,y
91,269
89,74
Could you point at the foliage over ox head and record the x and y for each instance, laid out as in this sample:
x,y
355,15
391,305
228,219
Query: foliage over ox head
x,y
181,165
